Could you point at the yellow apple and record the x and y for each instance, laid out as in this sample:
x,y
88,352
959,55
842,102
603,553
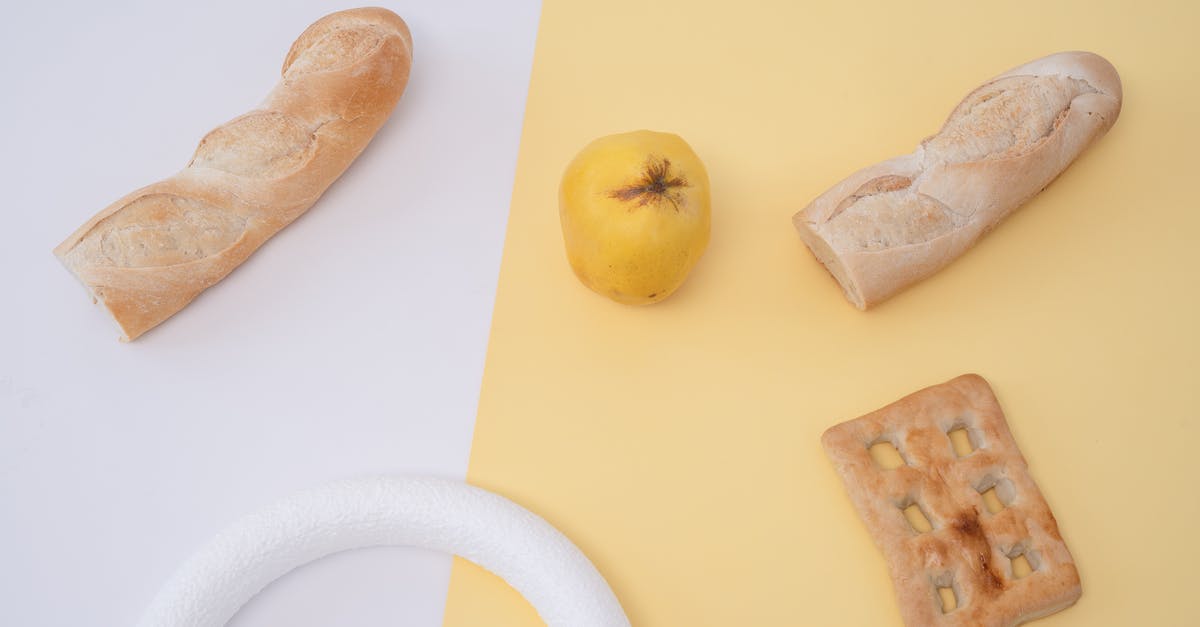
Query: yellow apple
x,y
635,214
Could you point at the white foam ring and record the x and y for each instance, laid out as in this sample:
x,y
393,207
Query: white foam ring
x,y
437,514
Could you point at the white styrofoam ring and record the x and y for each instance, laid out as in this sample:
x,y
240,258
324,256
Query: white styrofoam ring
x,y
437,514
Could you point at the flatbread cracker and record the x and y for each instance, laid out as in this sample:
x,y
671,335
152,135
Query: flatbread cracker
x,y
978,556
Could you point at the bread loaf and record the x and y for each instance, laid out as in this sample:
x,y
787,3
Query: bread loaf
x,y
147,255
892,224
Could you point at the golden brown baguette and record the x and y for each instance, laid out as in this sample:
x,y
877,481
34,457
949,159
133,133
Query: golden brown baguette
x,y
147,255
897,222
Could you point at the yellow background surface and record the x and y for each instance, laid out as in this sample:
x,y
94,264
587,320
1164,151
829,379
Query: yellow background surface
x,y
677,444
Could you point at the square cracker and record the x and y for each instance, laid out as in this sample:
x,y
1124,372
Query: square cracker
x,y
969,549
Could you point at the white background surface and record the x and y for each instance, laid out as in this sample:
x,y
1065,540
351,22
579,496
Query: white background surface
x,y
351,343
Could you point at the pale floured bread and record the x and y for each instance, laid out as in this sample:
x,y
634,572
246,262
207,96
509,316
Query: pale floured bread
x,y
892,224
150,253
974,554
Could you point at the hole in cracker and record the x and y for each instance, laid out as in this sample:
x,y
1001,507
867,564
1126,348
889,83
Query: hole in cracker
x,y
1020,566
948,599
991,501
916,518
997,493
886,455
1022,561
961,441
946,592
964,437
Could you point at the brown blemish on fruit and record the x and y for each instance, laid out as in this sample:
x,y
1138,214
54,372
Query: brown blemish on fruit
x,y
657,184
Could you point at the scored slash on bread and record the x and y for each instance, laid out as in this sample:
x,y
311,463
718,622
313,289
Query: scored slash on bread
x,y
149,254
894,223
969,552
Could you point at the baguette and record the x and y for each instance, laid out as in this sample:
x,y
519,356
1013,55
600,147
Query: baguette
x,y
149,254
892,224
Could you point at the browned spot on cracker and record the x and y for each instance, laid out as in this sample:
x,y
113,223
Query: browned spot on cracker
x,y
967,524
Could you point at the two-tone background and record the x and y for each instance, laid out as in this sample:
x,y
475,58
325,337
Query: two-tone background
x,y
676,444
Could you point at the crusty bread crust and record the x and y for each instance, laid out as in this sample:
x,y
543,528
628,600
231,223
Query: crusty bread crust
x,y
147,255
892,224
968,549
